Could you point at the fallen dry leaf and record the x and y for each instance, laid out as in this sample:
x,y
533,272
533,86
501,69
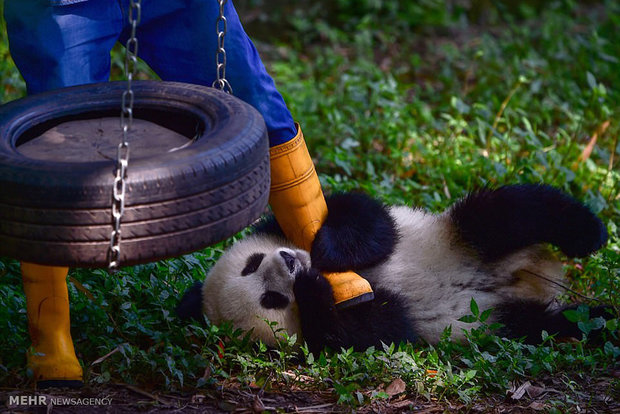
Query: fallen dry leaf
x,y
431,373
536,406
402,404
516,393
257,405
534,391
396,387
587,151
103,358
198,398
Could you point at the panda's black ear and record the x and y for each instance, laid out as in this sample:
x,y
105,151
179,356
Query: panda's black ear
x,y
190,306
359,232
267,225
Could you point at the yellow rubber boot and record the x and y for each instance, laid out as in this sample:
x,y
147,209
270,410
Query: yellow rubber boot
x,y
299,207
52,357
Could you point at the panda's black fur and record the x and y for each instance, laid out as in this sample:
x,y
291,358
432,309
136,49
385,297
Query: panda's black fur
x,y
492,237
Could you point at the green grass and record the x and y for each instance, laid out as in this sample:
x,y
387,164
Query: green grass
x,y
415,104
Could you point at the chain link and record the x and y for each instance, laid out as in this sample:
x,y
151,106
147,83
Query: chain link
x,y
220,81
122,151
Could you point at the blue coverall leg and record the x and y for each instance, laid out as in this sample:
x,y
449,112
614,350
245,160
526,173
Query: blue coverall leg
x,y
67,42
59,43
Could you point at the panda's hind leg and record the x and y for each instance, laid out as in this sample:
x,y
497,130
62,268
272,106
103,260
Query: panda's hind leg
x,y
498,222
528,319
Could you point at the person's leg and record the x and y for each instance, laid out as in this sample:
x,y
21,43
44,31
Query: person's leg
x,y
186,52
54,47
298,204
52,357
177,38
58,46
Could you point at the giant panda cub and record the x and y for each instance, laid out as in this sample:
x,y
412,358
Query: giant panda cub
x,y
424,269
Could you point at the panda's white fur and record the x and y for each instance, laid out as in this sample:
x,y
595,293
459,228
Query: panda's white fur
x,y
424,268
229,296
428,267
441,276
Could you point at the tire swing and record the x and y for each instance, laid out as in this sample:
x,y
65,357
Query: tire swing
x,y
199,170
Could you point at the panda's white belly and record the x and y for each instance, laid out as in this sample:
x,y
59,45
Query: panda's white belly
x,y
437,276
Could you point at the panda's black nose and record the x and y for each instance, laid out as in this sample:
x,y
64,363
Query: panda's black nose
x,y
289,260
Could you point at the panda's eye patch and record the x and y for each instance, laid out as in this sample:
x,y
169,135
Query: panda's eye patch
x,y
252,264
273,300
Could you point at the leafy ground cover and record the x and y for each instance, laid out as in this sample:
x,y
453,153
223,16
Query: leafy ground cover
x,y
415,103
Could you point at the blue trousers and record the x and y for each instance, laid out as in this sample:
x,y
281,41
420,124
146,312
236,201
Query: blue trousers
x,y
58,43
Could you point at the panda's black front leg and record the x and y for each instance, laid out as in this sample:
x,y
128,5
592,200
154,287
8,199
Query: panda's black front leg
x,y
358,233
383,320
501,221
317,310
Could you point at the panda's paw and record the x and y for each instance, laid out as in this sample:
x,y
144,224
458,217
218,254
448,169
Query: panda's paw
x,y
312,288
583,233
358,232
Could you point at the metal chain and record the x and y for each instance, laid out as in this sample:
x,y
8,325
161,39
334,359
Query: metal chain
x,y
220,81
122,151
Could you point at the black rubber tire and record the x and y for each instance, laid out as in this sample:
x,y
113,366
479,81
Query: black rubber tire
x,y
59,213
